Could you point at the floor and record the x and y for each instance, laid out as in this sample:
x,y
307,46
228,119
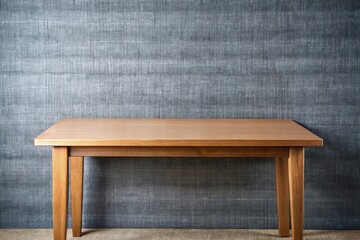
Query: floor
x,y
175,234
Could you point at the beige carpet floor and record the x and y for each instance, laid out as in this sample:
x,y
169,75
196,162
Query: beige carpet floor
x,y
175,234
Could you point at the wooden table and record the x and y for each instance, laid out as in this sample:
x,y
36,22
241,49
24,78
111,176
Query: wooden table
x,y
282,139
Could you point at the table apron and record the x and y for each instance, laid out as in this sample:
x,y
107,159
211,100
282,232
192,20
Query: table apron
x,y
178,151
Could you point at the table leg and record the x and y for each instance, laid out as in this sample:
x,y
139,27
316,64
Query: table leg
x,y
76,185
296,180
282,196
60,191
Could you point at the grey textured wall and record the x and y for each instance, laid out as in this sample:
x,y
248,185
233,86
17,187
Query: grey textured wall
x,y
180,59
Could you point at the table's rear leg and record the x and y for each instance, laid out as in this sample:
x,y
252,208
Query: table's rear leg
x,y
76,183
282,195
60,191
296,180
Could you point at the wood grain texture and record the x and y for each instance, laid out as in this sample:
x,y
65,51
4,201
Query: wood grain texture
x,y
282,196
76,183
180,151
296,183
60,191
177,132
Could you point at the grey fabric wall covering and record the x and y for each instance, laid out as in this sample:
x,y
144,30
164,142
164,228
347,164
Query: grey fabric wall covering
x,y
180,59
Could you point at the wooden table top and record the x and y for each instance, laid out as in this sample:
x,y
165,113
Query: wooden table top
x,y
177,132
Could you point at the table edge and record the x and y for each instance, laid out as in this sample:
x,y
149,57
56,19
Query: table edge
x,y
195,143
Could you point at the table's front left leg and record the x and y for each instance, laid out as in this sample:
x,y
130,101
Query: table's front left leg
x,y
60,191
76,185
296,182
